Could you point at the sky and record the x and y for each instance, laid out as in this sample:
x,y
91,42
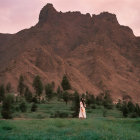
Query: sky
x,y
16,15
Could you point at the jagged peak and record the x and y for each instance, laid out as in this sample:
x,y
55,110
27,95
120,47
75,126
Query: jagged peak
x,y
47,12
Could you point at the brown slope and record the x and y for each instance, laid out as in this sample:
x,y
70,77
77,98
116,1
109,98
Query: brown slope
x,y
96,53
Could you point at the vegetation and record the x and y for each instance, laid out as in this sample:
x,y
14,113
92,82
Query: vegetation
x,y
38,86
65,83
49,91
7,106
21,85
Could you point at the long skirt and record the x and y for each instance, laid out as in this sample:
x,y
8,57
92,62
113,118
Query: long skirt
x,y
82,113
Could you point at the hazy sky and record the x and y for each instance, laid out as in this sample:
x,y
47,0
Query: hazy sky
x,y
19,14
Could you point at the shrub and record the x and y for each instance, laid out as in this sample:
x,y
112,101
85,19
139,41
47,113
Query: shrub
x,y
23,106
34,107
7,107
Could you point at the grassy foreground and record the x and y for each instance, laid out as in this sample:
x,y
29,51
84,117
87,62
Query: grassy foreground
x,y
71,129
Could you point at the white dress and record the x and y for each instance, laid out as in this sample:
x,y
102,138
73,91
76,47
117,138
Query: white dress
x,y
82,113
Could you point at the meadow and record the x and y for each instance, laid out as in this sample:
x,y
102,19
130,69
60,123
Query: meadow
x,y
100,124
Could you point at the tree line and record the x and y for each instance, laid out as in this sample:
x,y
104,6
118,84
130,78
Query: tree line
x,y
11,103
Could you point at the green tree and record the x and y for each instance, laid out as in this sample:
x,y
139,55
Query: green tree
x,y
21,85
2,92
76,104
66,97
7,106
65,83
59,93
49,91
28,95
131,107
23,106
100,99
38,86
8,87
125,109
108,102
137,109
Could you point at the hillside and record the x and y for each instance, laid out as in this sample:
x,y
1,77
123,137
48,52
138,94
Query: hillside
x,y
95,52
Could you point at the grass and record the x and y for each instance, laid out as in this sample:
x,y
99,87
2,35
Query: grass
x,y
39,126
71,129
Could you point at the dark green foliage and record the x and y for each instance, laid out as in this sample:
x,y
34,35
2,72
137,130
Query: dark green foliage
x,y
125,110
2,92
8,87
65,83
76,104
107,102
137,109
21,85
49,91
66,97
38,86
7,106
28,95
23,106
90,99
99,99
59,93
34,107
131,107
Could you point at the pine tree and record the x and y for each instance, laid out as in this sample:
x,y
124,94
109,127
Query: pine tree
x,y
38,86
49,91
28,95
66,97
65,83
59,93
7,106
108,102
21,85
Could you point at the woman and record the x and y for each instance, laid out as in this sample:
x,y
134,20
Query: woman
x,y
82,113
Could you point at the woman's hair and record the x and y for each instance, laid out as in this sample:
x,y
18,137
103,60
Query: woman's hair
x,y
83,101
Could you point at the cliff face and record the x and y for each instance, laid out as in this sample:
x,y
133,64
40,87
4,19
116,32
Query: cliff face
x,y
96,53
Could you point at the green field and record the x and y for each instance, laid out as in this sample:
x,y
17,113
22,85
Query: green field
x,y
39,125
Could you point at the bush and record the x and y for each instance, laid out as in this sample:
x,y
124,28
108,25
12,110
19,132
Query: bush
x,y
34,107
7,106
23,106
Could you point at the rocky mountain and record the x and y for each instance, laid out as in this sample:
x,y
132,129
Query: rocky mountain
x,y
95,52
